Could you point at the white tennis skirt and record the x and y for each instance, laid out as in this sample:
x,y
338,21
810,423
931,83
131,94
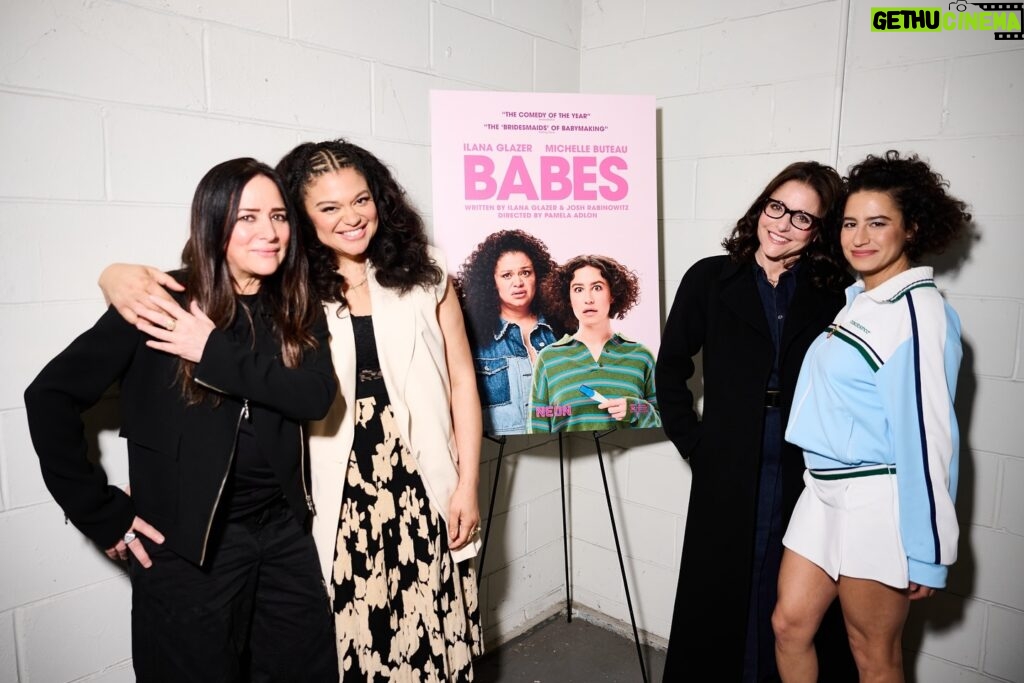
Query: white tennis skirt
x,y
848,523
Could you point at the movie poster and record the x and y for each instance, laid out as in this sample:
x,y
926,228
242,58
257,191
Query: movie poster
x,y
545,206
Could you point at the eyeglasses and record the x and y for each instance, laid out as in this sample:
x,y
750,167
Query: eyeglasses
x,y
801,220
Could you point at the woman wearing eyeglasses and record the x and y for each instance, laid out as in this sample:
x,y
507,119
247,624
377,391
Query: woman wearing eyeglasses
x,y
751,314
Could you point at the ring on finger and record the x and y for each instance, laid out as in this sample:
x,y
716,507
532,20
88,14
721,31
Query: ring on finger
x,y
170,324
129,537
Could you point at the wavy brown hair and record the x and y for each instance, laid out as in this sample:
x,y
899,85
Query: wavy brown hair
x,y
931,215
398,251
623,282
475,281
285,295
823,255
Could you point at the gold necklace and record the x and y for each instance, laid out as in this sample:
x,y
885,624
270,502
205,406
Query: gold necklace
x,y
357,285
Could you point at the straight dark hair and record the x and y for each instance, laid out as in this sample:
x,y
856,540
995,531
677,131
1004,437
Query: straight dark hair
x,y
285,295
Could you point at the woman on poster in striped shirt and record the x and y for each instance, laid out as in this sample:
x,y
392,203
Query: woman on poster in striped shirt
x,y
595,378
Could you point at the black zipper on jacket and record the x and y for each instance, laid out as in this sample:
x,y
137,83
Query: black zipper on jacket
x,y
243,414
302,471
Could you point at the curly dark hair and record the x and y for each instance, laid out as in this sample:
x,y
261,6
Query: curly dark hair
x,y
623,282
934,217
398,251
823,255
475,281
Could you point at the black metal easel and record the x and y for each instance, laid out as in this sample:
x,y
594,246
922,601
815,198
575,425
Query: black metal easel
x,y
565,535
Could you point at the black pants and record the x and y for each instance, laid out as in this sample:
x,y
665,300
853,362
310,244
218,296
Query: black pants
x,y
256,611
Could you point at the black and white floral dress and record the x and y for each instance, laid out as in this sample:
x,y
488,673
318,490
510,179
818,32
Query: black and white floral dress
x,y
405,611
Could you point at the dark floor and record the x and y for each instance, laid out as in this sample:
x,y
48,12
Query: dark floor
x,y
578,652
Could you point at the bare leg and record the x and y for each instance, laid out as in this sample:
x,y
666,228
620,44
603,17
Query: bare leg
x,y
805,592
875,615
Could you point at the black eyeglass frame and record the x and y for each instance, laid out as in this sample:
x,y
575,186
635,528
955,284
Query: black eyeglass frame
x,y
815,221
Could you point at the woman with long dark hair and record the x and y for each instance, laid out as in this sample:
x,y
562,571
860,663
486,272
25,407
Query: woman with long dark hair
x,y
396,462
215,386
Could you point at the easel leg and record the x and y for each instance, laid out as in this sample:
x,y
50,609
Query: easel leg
x,y
565,534
490,507
618,551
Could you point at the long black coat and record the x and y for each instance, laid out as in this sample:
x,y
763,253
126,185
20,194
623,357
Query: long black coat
x,y
718,311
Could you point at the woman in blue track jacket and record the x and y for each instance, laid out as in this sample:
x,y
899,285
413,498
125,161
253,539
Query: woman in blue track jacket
x,y
873,413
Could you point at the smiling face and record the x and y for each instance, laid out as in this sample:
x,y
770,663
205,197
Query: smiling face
x,y
342,210
259,237
874,236
590,296
778,240
516,282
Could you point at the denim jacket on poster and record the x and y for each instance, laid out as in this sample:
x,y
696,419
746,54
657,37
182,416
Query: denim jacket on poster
x,y
504,376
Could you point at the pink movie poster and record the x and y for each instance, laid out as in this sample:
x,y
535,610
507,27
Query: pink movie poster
x,y
545,206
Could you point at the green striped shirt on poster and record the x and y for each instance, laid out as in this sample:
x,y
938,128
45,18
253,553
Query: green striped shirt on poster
x,y
625,369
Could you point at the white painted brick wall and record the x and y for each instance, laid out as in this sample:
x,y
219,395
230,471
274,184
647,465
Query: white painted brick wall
x,y
610,22
1011,503
102,50
991,269
800,118
110,111
999,318
750,51
671,66
556,20
523,589
75,157
254,77
556,67
266,16
8,657
396,32
481,51
54,647
871,95
151,161
928,629
83,238
985,477
400,98
1004,656
44,557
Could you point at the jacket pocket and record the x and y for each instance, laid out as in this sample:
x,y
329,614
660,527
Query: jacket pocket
x,y
493,381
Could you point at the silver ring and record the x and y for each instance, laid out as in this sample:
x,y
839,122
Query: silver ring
x,y
129,537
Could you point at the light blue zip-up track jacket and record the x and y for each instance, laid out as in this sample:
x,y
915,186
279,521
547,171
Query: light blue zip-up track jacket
x,y
877,388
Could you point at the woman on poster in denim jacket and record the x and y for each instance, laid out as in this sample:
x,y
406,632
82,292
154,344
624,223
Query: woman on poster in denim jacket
x,y
498,286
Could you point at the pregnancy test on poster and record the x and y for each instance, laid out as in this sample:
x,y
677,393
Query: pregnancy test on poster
x,y
591,394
